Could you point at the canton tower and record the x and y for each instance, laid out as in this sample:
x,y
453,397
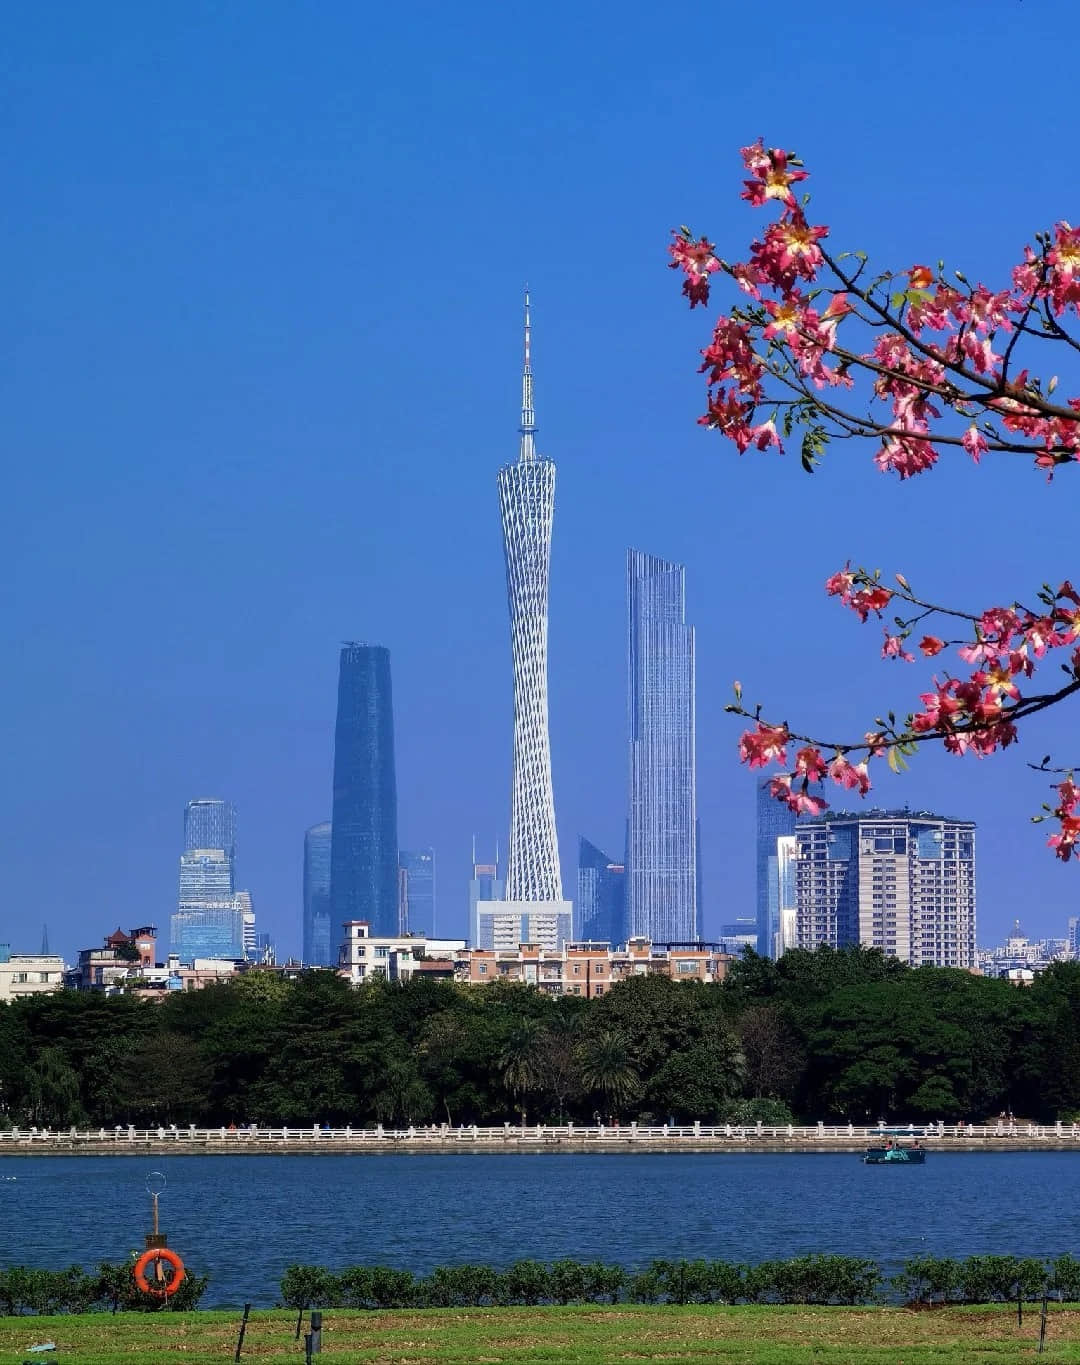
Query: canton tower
x,y
527,503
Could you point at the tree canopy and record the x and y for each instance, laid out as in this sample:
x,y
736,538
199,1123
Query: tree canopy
x,y
843,1034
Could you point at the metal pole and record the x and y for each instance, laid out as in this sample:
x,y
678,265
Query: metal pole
x,y
243,1329
1042,1326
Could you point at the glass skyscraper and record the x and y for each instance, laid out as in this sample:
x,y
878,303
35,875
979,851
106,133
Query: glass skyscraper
x,y
600,914
774,821
206,875
320,949
213,918
662,855
363,844
210,823
210,930
418,865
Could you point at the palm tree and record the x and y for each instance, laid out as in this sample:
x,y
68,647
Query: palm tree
x,y
521,1063
606,1068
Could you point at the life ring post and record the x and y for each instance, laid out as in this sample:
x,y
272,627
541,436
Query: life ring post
x,y
157,1253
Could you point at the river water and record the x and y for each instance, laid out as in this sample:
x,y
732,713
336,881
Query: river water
x,y
244,1219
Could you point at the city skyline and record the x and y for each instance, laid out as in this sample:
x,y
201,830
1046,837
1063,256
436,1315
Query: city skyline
x,y
322,496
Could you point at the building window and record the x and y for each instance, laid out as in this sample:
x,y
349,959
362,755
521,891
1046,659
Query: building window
x,y
382,952
482,969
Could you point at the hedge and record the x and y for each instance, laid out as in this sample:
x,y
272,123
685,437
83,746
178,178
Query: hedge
x,y
110,1288
816,1279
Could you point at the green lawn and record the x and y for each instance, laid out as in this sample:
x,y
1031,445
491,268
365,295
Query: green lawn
x,y
595,1335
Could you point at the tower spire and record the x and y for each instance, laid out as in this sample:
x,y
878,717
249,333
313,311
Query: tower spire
x,y
528,417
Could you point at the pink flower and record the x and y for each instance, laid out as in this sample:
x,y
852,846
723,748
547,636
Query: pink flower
x,y
802,803
765,435
789,251
839,583
905,456
809,764
893,648
697,261
931,645
866,600
974,442
772,175
851,775
766,744
1064,844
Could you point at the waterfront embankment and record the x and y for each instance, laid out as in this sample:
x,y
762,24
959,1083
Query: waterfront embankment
x,y
253,1140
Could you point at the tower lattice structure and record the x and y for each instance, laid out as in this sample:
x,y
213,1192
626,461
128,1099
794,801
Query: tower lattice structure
x,y
527,504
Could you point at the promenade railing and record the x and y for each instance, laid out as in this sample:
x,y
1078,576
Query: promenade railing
x,y
546,1133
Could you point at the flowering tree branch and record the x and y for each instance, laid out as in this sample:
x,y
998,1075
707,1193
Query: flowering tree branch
x,y
915,363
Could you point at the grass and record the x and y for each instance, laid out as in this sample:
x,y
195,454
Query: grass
x,y
592,1335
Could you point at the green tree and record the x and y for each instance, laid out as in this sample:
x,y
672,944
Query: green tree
x,y
607,1072
521,1061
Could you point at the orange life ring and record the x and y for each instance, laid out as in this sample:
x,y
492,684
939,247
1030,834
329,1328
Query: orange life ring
x,y
147,1259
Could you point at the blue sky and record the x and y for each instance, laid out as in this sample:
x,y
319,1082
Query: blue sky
x,y
264,266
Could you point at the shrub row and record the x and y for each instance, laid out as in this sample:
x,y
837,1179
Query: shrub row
x,y
110,1288
804,1279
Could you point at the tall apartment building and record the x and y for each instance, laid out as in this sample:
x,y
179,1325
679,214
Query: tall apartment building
x,y
319,949
902,881
600,911
363,838
774,821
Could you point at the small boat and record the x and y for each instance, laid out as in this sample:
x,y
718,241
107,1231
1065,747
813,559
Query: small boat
x,y
894,1156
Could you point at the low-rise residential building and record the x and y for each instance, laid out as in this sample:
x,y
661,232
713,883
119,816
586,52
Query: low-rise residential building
x,y
29,973
589,969
364,956
122,956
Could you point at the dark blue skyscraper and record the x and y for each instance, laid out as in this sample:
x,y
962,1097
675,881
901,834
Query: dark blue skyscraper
x,y
600,913
363,847
773,820
418,865
320,934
